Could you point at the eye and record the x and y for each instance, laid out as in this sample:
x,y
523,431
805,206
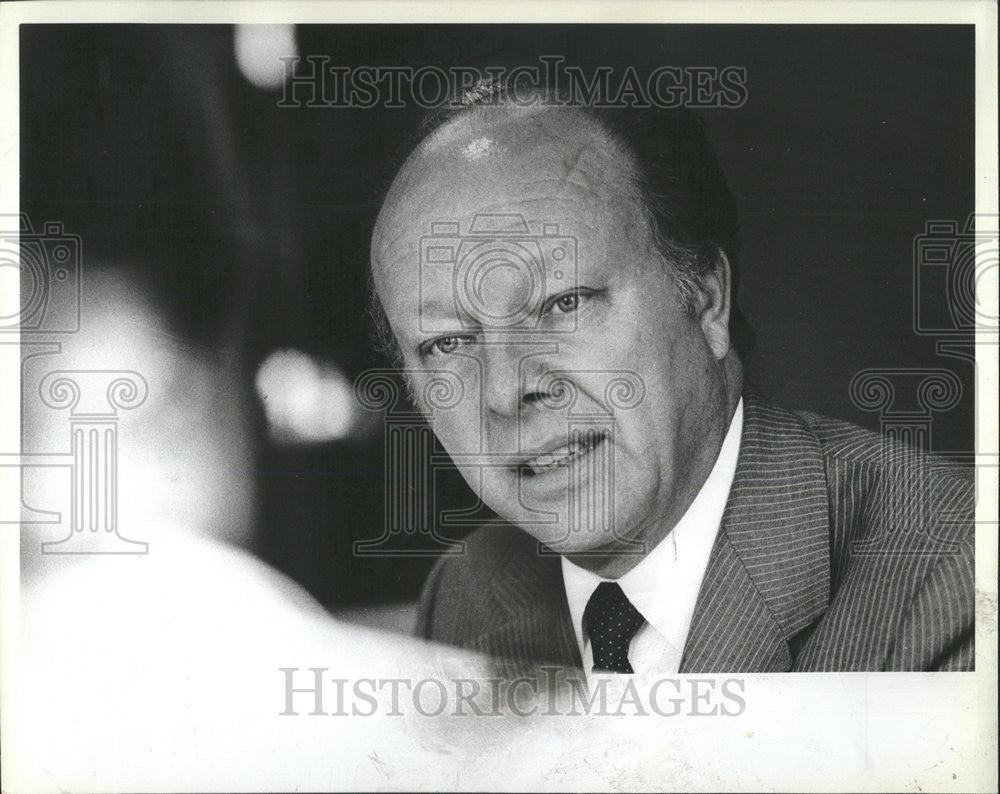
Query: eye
x,y
568,302
446,345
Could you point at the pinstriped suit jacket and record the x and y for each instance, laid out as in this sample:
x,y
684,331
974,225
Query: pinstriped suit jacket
x,y
838,550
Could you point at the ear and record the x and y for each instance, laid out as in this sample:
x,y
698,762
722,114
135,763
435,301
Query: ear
x,y
713,305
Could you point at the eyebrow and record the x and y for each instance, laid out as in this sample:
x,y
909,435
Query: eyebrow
x,y
437,305
438,309
440,313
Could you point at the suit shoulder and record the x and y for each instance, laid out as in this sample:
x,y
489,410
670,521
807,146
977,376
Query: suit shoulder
x,y
848,443
879,483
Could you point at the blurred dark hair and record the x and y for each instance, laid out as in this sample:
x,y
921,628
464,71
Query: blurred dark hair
x,y
678,176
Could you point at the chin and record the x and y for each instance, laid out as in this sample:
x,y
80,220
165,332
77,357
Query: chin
x,y
570,542
576,526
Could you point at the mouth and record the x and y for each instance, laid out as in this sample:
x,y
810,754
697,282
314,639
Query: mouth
x,y
581,443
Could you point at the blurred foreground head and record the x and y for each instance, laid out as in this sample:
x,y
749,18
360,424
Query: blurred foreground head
x,y
183,418
165,669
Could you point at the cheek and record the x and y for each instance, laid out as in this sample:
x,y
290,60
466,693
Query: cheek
x,y
448,428
672,369
458,428
644,327
675,347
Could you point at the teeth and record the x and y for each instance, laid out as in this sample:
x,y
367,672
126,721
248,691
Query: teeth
x,y
581,443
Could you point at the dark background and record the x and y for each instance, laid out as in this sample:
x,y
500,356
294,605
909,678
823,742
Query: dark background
x,y
250,223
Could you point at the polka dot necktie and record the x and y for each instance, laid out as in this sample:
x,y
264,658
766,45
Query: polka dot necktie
x,y
611,622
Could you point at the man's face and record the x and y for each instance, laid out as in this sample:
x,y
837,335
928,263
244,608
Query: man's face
x,y
511,256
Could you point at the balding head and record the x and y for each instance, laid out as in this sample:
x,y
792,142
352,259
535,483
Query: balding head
x,y
664,154
518,155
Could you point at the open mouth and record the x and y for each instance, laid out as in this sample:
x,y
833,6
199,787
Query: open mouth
x,y
581,443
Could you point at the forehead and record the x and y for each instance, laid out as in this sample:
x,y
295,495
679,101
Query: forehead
x,y
551,166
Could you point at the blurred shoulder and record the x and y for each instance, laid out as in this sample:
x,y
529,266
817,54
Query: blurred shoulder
x,y
487,551
459,596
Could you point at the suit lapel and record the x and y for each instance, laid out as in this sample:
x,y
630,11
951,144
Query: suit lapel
x,y
768,577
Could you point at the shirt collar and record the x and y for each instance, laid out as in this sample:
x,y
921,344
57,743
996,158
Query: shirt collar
x,y
664,585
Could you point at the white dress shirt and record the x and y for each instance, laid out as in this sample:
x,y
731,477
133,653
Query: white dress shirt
x,y
664,585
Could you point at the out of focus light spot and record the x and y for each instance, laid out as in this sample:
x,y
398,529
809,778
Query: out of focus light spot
x,y
305,402
259,49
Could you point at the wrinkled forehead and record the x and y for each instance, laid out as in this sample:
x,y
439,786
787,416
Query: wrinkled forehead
x,y
549,165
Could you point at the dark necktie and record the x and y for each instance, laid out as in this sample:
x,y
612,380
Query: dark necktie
x,y
611,622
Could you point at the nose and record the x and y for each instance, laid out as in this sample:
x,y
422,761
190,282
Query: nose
x,y
508,382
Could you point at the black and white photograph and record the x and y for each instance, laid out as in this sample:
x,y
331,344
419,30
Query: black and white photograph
x,y
499,397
